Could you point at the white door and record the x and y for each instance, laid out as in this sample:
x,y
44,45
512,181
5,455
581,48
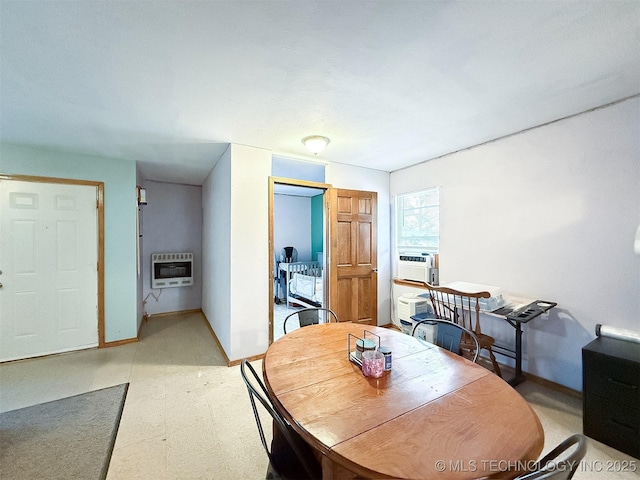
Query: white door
x,y
48,260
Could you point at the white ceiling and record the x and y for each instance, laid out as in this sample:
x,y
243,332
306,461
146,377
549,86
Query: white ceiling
x,y
392,83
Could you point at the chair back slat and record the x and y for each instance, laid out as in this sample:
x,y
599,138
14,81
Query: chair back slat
x,y
308,316
458,307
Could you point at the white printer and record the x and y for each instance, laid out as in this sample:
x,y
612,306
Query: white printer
x,y
486,304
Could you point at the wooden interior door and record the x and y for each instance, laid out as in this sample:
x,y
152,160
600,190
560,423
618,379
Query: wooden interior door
x,y
353,256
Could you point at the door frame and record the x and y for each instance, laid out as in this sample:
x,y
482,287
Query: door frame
x,y
326,240
99,186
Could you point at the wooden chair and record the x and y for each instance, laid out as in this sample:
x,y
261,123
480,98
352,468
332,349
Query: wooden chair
x,y
309,316
448,335
290,457
463,308
550,468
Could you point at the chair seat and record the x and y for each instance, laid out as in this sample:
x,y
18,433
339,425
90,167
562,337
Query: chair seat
x,y
486,342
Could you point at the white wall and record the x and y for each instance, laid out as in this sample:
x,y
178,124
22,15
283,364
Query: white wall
x,y
172,223
357,178
216,250
236,251
292,225
548,214
250,274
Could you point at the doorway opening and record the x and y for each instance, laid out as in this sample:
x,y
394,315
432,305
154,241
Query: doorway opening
x,y
298,242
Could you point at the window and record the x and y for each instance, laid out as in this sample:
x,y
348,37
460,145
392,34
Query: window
x,y
418,220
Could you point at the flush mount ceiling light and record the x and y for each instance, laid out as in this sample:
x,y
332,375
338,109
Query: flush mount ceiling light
x,y
315,143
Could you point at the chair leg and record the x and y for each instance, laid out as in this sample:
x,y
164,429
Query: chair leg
x,y
271,473
494,362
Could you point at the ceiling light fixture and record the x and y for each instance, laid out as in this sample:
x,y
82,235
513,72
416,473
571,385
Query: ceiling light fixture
x,y
315,143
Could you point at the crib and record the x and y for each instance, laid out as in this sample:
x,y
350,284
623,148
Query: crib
x,y
305,281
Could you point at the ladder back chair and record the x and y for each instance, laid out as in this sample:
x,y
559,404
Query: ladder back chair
x,y
463,308
290,457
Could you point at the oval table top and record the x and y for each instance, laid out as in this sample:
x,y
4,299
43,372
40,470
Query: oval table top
x,y
434,415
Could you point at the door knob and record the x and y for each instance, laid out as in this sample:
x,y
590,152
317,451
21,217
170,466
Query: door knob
x,y
0,285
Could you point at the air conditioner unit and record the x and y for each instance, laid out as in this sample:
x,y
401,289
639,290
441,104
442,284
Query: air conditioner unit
x,y
410,304
414,266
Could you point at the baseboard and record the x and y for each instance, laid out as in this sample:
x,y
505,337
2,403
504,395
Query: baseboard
x,y
230,363
125,341
250,359
215,339
144,319
508,372
553,385
392,326
117,343
6,362
177,312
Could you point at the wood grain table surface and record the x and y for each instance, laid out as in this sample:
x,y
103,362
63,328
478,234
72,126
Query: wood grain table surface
x,y
434,415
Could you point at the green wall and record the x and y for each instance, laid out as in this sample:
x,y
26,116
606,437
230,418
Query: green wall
x,y
119,177
317,224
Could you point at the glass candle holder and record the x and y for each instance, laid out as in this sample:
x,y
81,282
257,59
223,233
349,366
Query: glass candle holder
x,y
372,364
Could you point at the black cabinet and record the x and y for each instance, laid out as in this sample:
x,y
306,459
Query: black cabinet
x,y
611,393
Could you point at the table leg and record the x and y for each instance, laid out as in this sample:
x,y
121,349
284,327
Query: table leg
x,y
333,471
519,378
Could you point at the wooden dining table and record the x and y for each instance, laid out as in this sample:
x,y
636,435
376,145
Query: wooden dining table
x,y
433,415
